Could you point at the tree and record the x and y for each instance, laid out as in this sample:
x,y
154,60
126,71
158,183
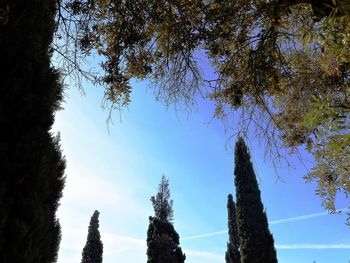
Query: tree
x,y
282,66
256,241
31,162
92,252
163,242
232,254
162,204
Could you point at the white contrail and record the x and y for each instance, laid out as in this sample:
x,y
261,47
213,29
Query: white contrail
x,y
313,246
201,255
273,222
205,235
297,218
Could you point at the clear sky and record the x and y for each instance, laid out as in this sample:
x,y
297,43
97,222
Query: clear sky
x,y
117,169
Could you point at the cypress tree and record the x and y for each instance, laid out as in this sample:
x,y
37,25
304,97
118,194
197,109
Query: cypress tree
x,y
232,253
92,252
163,242
31,163
162,204
256,241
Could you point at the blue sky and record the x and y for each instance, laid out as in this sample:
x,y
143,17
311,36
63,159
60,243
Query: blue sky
x,y
117,168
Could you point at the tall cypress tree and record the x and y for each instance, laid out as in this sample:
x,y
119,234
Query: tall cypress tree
x,y
163,242
31,164
162,204
92,252
232,253
256,241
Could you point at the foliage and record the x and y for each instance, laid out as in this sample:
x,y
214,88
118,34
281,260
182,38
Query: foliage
x,y
4,14
92,252
162,239
162,204
256,241
332,150
271,60
232,254
163,242
31,162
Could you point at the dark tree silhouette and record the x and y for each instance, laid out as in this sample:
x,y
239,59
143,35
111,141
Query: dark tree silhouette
x,y
232,254
92,252
31,163
162,204
163,243
256,241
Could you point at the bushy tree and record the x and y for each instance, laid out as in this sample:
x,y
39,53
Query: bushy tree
x,y
256,241
232,253
163,242
31,163
92,252
162,204
284,63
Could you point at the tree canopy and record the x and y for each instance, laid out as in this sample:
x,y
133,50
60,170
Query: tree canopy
x,y
256,241
232,253
162,204
283,66
163,242
31,162
92,252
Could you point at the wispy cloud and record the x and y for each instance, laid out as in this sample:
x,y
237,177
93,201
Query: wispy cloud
x,y
205,235
118,244
203,256
83,187
273,222
313,246
115,244
303,217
